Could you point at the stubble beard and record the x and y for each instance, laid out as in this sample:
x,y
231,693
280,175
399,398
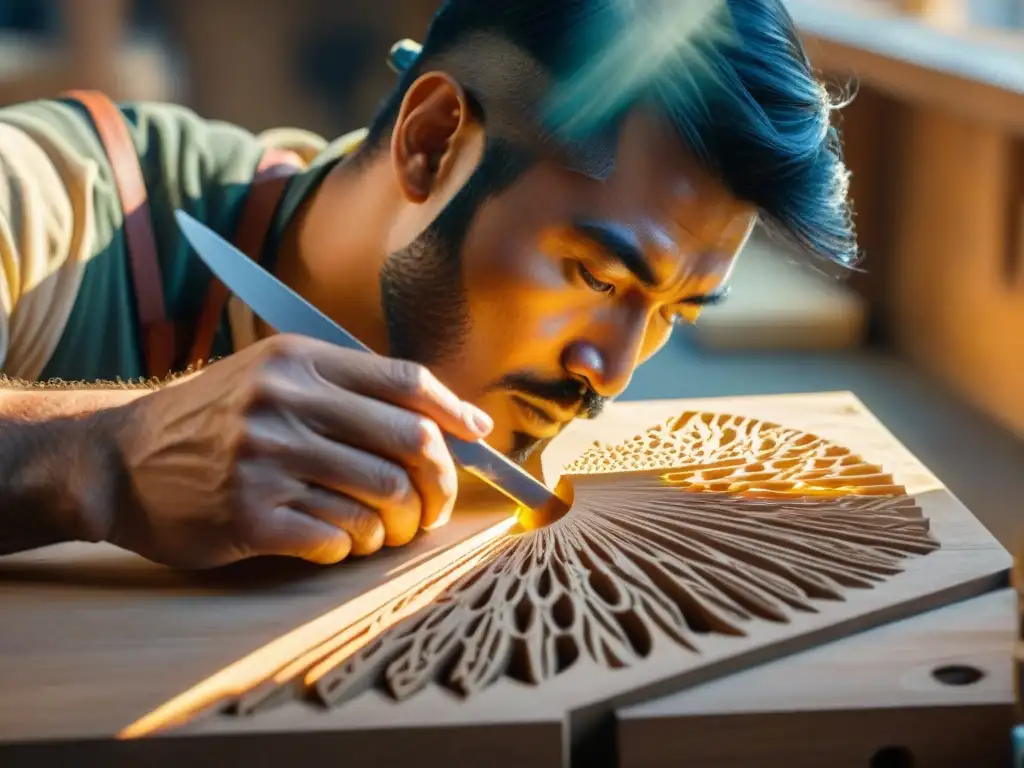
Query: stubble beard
x,y
426,311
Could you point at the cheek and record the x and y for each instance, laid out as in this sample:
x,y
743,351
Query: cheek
x,y
518,293
658,333
518,307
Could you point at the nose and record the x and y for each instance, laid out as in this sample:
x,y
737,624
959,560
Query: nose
x,y
606,364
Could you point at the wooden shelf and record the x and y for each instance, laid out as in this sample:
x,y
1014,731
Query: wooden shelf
x,y
944,206
973,71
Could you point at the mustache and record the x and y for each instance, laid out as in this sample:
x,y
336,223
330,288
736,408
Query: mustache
x,y
568,394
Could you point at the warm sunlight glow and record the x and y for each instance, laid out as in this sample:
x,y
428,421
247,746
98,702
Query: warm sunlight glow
x,y
340,628
532,519
694,477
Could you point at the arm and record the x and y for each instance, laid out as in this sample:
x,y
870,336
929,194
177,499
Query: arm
x,y
23,402
60,470
55,466
59,479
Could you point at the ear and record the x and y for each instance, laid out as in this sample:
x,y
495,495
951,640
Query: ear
x,y
434,124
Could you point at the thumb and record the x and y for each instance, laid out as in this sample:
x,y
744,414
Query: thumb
x,y
287,532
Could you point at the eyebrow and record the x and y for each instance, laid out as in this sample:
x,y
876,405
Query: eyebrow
x,y
621,245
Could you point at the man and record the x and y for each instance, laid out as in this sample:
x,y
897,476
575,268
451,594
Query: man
x,y
529,268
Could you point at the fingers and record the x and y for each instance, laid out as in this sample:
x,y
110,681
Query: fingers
x,y
383,491
433,473
287,532
389,458
398,491
374,432
407,385
363,526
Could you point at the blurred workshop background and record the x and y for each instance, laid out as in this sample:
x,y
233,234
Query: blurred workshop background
x,y
930,334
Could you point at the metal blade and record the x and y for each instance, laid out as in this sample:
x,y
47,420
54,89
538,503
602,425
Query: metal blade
x,y
286,311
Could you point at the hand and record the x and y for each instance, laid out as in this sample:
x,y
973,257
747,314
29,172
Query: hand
x,y
291,447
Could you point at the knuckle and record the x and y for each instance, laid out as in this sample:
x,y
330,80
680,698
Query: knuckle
x,y
425,436
412,378
271,377
262,388
245,521
240,445
285,346
251,441
261,437
282,354
393,486
364,523
367,531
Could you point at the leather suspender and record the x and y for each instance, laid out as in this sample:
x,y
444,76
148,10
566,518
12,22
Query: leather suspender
x,y
265,192
159,332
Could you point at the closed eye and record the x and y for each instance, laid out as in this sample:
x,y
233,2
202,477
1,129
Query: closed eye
x,y
588,277
708,299
688,308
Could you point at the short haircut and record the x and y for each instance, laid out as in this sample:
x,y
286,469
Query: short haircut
x,y
764,128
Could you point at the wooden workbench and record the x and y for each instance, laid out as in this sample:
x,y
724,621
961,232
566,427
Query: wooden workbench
x,y
933,691
94,638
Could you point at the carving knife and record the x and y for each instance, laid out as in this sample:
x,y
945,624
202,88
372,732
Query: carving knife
x,y
284,310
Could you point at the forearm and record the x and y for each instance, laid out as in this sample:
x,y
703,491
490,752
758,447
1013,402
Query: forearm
x,y
60,479
60,471
42,405
29,401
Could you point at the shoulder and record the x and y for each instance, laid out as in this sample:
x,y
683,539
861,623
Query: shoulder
x,y
56,131
50,166
48,187
180,140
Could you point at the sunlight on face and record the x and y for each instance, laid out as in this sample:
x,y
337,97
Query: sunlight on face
x,y
571,283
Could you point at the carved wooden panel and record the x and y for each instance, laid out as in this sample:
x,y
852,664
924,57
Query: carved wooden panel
x,y
705,524
751,521
702,546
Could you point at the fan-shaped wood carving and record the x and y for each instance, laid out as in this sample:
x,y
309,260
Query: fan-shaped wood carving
x,y
704,524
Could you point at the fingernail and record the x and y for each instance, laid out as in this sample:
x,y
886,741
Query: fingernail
x,y
478,421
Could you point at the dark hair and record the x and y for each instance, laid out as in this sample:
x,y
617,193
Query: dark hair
x,y
763,126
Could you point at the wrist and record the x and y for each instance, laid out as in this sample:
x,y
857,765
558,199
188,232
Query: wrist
x,y
63,478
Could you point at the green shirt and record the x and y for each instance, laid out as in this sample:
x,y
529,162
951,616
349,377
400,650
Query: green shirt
x,y
200,166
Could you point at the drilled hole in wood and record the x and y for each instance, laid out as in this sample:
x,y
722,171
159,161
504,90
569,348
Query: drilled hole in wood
x,y
892,757
958,674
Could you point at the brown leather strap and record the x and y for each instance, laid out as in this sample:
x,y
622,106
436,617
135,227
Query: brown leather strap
x,y
157,330
276,167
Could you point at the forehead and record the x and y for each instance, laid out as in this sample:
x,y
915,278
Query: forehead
x,y
659,186
657,192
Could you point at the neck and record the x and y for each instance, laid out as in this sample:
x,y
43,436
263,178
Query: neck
x,y
331,254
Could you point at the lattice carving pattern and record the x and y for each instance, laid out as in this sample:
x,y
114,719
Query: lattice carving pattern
x,y
704,524
740,455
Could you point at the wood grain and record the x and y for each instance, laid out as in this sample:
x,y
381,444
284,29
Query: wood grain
x,y
98,638
846,703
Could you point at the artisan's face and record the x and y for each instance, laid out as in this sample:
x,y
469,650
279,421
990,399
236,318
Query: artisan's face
x,y
567,283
